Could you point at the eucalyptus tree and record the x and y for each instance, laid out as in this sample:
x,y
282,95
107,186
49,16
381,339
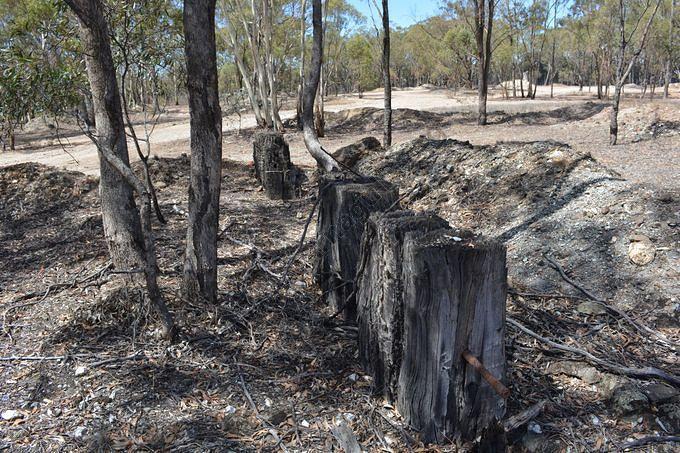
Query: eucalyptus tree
x,y
128,231
323,159
39,74
631,14
387,81
200,263
671,48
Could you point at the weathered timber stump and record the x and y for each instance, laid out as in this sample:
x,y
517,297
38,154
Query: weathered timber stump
x,y
454,302
273,168
380,291
345,205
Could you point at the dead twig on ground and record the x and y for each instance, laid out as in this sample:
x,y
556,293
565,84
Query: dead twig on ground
x,y
271,428
639,326
649,440
644,373
524,417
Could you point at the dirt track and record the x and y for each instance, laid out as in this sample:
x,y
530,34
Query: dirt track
x,y
654,161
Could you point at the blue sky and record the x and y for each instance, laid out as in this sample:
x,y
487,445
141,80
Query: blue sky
x,y
402,12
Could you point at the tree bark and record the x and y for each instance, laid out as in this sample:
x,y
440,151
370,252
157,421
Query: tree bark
x,y
200,265
387,81
483,31
128,232
323,159
120,216
301,83
668,73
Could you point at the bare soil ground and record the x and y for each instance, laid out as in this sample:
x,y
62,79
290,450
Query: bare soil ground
x,y
265,368
573,117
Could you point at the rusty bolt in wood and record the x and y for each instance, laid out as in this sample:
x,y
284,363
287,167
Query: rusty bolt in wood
x,y
497,385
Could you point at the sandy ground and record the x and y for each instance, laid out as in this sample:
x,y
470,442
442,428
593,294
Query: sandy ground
x,y
653,161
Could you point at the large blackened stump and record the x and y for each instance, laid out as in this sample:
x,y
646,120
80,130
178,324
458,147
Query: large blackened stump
x,y
380,293
454,300
273,168
345,205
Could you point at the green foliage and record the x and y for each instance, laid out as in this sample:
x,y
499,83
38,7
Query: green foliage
x,y
38,71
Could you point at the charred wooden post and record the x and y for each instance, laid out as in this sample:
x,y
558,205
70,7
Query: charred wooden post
x,y
454,302
380,293
273,168
345,205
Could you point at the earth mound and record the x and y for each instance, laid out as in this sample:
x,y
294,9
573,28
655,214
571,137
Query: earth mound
x,y
543,199
369,119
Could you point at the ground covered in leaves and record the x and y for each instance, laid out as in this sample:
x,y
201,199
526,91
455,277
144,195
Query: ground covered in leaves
x,y
267,369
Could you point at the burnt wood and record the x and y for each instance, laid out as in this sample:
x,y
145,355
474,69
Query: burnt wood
x,y
380,292
454,300
344,207
273,168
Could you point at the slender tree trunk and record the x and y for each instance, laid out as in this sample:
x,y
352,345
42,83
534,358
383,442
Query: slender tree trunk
x,y
319,115
323,159
387,119
269,57
301,84
621,74
128,232
119,211
483,29
200,265
12,138
613,117
668,73
175,86
245,78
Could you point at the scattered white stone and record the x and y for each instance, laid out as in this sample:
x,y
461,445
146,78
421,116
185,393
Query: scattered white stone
x,y
268,402
11,414
79,432
534,427
353,377
229,410
304,424
301,284
350,417
641,251
81,370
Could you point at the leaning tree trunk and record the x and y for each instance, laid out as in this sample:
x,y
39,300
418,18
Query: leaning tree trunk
x,y
387,119
128,232
301,83
323,159
120,215
200,265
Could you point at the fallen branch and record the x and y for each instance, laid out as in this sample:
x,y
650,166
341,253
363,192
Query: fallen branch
x,y
646,372
272,429
649,440
32,358
641,327
301,242
524,417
